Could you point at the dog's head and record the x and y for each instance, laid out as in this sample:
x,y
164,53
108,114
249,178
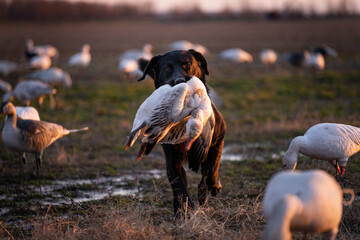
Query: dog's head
x,y
175,67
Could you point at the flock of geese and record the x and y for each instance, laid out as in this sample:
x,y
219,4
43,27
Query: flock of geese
x,y
313,58
298,201
23,130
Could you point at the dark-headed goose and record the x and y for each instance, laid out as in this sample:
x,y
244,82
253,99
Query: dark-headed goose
x,y
324,50
297,59
174,115
30,136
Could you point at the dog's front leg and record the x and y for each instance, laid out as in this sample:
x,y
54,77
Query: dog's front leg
x,y
175,155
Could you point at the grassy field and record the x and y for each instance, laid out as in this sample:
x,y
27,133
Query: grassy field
x,y
264,108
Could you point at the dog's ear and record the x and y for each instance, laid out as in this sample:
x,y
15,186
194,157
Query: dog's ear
x,y
198,56
148,67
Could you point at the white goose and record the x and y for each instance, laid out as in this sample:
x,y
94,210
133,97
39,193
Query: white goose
x,y
128,61
173,115
130,68
331,142
7,67
268,57
26,91
136,54
47,50
309,201
30,136
81,59
236,55
52,76
316,60
186,45
40,62
28,112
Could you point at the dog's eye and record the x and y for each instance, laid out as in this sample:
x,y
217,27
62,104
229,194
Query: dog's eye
x,y
187,66
167,69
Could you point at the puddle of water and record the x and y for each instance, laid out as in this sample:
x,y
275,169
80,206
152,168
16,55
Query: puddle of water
x,y
257,151
83,190
87,189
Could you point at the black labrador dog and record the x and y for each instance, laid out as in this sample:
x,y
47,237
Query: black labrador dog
x,y
173,68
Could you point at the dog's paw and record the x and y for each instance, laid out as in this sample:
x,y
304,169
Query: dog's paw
x,y
216,188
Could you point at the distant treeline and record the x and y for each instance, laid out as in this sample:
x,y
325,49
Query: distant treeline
x,y
64,10
59,10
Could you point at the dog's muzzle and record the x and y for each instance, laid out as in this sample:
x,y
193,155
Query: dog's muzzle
x,y
179,80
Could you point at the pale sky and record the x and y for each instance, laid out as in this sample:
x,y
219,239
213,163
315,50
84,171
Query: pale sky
x,y
236,5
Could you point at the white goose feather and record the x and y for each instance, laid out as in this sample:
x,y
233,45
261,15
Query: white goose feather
x,y
172,115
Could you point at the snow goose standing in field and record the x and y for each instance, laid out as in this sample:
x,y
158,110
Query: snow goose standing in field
x,y
200,48
137,54
47,50
309,201
30,136
180,45
236,55
324,50
26,91
52,76
7,67
316,61
186,45
268,57
81,59
40,62
128,61
331,142
173,115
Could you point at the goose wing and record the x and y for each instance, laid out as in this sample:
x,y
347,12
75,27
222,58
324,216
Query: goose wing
x,y
352,132
157,122
38,135
167,113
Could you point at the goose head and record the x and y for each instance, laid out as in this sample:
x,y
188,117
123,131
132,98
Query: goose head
x,y
86,48
147,48
7,108
290,160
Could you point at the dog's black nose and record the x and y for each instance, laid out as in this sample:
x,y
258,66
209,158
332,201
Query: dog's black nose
x,y
180,80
